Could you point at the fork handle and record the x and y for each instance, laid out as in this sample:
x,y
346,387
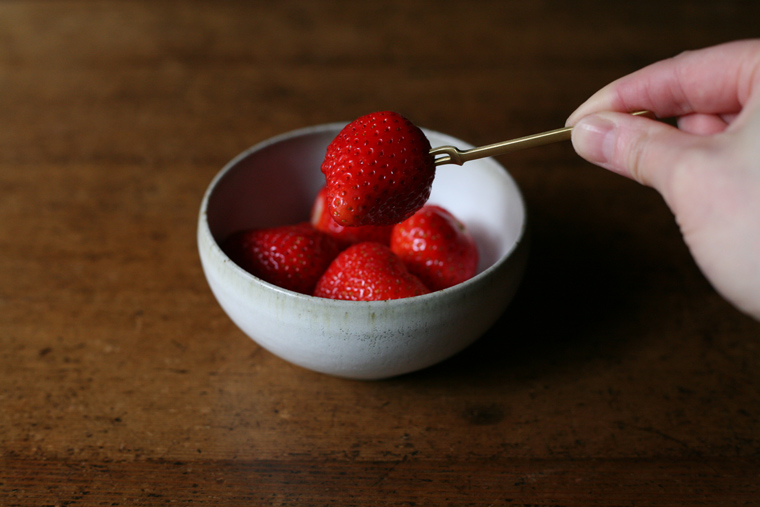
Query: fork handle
x,y
540,139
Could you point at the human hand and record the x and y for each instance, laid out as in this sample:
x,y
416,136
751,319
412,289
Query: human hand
x,y
707,169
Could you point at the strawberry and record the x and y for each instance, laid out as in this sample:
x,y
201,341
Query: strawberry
x,y
436,247
293,257
379,170
346,236
368,272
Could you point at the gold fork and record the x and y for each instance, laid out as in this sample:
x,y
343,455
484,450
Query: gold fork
x,y
452,155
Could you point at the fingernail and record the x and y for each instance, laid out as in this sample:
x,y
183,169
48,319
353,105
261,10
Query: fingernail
x,y
594,139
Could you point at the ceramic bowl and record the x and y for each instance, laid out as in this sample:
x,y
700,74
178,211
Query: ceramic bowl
x,y
275,182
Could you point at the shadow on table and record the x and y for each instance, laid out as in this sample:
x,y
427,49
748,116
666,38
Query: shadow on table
x,y
575,304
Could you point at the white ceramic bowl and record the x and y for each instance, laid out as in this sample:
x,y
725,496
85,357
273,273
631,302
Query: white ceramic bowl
x,y
275,182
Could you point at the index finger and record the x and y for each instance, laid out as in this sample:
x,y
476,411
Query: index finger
x,y
717,80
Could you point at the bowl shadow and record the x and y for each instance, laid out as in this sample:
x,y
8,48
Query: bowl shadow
x,y
566,310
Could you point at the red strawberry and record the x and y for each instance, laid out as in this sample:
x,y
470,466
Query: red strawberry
x,y
368,272
292,257
436,247
379,170
346,236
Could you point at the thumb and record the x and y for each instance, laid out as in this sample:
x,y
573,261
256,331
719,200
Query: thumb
x,y
644,150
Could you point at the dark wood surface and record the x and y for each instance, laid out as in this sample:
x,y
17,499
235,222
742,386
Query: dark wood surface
x,y
618,377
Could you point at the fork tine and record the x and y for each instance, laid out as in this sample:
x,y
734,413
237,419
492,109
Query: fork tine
x,y
449,155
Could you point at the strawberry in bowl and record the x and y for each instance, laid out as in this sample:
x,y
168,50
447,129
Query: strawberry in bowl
x,y
293,257
436,246
368,272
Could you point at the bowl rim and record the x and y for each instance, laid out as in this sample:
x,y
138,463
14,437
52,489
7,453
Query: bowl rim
x,y
205,229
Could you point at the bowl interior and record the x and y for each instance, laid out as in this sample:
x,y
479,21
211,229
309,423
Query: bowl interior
x,y
274,183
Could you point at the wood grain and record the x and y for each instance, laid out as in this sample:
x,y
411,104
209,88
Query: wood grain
x,y
618,377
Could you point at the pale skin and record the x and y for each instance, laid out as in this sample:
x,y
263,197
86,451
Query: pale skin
x,y
707,169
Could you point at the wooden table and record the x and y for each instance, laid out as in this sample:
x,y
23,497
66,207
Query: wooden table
x,y
618,377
